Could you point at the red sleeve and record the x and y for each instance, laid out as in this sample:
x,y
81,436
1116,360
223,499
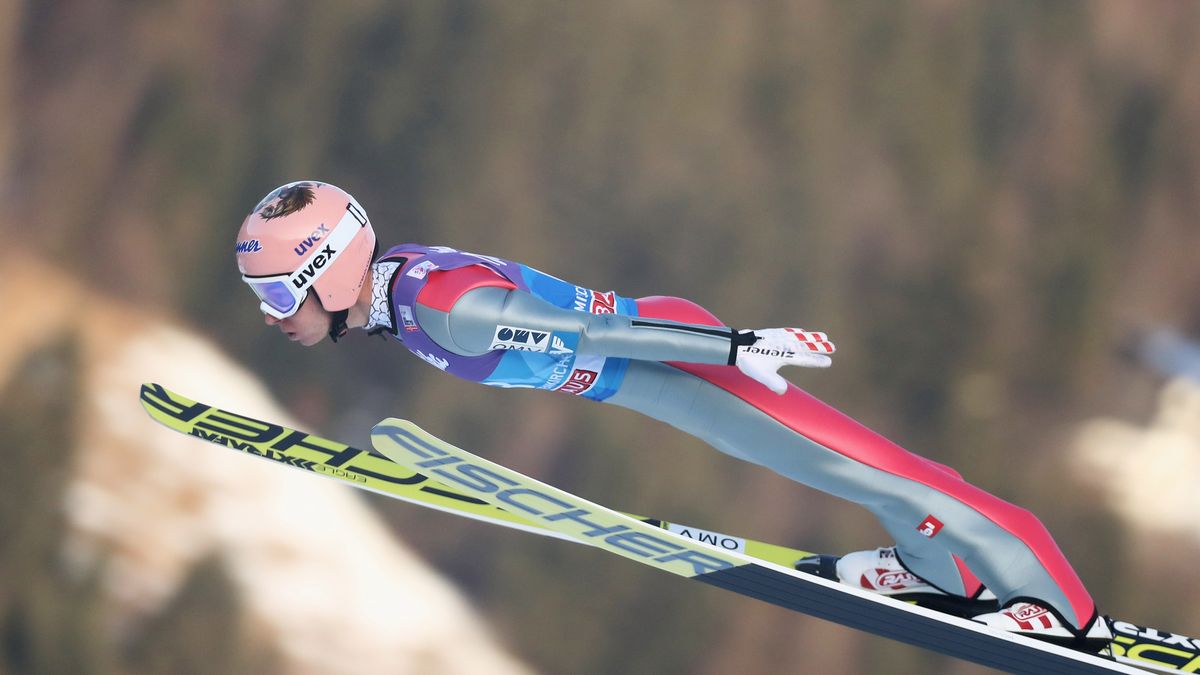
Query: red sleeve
x,y
444,288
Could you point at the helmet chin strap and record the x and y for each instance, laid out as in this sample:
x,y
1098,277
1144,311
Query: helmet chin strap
x,y
337,327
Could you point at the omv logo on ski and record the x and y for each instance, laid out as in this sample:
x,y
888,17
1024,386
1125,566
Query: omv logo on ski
x,y
520,339
311,240
715,539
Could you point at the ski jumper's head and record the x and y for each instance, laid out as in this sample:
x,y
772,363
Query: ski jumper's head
x,y
306,237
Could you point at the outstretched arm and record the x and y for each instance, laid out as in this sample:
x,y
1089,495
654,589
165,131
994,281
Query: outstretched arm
x,y
476,317
475,323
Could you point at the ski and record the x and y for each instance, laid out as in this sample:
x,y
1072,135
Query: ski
x,y
756,569
371,471
618,533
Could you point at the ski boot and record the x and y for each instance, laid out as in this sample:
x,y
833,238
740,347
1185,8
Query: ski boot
x,y
1040,622
881,571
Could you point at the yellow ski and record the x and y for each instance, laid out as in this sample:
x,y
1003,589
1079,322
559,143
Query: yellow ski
x,y
432,473
369,470
625,535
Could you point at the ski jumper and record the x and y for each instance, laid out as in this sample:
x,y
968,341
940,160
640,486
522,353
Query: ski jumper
x,y
505,324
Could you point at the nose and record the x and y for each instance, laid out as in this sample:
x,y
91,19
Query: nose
x,y
270,320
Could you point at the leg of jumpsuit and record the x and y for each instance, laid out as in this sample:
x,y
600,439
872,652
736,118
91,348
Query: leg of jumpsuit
x,y
809,442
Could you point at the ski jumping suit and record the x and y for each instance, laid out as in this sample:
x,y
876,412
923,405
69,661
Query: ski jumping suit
x,y
505,324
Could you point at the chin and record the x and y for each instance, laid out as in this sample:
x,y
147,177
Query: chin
x,y
312,341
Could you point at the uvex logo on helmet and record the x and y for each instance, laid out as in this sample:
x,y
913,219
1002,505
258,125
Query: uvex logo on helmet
x,y
305,274
312,239
290,199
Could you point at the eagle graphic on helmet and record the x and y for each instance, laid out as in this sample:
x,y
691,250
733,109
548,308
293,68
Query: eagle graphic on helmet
x,y
286,200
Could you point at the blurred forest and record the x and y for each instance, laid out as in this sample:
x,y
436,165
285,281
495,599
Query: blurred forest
x,y
978,200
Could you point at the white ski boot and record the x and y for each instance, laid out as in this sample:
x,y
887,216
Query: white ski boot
x,y
881,571
1038,621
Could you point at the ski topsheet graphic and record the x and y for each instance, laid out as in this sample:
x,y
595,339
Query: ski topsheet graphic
x,y
371,471
432,473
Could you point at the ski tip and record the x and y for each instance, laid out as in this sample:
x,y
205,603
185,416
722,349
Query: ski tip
x,y
154,396
390,425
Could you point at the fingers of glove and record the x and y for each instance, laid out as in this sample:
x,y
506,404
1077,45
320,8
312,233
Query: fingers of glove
x,y
810,360
814,341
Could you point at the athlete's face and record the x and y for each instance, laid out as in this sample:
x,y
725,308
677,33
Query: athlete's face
x,y
308,326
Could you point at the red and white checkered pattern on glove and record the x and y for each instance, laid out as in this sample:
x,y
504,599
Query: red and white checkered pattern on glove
x,y
778,347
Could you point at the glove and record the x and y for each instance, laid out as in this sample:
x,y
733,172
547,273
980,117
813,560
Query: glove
x,y
774,348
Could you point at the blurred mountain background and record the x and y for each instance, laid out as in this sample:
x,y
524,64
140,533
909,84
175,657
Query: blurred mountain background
x,y
980,201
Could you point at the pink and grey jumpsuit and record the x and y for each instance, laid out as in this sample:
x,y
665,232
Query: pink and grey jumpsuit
x,y
505,324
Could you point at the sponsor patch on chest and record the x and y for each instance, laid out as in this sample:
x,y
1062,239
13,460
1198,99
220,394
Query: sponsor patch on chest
x,y
406,318
421,269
